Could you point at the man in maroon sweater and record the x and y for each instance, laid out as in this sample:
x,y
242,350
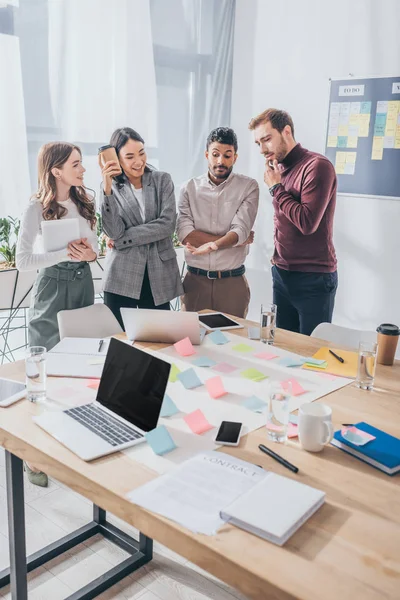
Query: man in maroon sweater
x,y
303,187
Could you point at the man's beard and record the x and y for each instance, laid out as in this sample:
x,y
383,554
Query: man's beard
x,y
223,174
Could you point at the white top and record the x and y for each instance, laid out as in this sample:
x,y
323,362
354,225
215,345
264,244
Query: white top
x,y
138,193
30,236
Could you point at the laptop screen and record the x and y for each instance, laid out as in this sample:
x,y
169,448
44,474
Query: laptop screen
x,y
133,384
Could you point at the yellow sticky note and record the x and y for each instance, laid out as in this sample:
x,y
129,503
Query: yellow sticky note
x,y
390,128
354,120
343,130
332,141
340,168
351,157
363,125
397,138
352,141
393,108
377,148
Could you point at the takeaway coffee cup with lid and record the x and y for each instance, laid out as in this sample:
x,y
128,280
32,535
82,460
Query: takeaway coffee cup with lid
x,y
108,153
388,336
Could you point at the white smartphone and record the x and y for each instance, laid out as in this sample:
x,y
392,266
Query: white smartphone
x,y
229,433
217,320
11,391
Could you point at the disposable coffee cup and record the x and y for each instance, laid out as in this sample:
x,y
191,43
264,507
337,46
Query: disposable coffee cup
x,y
108,153
388,337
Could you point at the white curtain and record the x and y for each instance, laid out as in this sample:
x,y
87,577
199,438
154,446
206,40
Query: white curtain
x,y
14,168
101,68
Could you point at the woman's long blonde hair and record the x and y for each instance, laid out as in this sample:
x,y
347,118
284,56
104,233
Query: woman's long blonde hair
x,y
54,155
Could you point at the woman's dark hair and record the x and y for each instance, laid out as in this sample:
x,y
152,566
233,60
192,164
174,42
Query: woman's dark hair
x,y
118,140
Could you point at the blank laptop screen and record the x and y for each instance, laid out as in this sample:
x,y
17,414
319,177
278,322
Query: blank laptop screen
x,y
133,384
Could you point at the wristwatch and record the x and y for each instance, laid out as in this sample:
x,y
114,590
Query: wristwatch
x,y
273,188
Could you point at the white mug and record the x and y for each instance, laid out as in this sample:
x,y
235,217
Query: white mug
x,y
315,426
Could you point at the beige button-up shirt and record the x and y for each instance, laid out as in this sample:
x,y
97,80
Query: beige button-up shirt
x,y
217,209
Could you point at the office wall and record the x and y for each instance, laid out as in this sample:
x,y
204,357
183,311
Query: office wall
x,y
284,55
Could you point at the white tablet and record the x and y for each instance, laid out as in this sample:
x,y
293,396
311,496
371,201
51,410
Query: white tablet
x,y
10,391
217,320
58,234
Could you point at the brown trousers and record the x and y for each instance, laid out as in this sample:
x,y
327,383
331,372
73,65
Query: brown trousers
x,y
229,295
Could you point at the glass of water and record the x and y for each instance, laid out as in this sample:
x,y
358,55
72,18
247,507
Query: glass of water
x,y
278,411
366,365
35,369
267,323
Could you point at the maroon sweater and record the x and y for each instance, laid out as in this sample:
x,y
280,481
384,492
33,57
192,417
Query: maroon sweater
x,y
304,207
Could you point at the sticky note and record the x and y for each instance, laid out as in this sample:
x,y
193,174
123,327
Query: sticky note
x,y
173,374
168,408
266,355
160,440
242,348
184,347
356,436
321,366
224,368
255,404
253,374
217,337
197,422
215,387
297,388
314,361
292,430
93,384
290,361
96,361
204,361
294,419
189,379
253,333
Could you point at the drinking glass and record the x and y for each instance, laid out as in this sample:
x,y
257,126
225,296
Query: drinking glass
x,y
278,411
35,369
267,323
366,365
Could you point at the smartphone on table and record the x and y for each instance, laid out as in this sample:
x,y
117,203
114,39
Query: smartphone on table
x,y
229,433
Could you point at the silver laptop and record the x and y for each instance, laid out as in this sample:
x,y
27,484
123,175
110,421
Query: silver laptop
x,y
127,405
163,326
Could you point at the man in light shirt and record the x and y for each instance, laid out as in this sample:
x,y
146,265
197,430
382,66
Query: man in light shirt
x,y
216,214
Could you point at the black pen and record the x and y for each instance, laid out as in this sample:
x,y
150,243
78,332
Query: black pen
x,y
339,358
100,345
278,458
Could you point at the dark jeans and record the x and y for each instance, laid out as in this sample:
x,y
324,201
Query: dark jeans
x,y
304,300
146,300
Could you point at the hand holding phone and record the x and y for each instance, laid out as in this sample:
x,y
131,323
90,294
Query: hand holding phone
x,y
229,433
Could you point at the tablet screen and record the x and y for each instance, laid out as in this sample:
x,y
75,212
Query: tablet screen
x,y
218,320
9,388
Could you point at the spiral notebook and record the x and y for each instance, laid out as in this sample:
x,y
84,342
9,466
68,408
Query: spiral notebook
x,y
274,508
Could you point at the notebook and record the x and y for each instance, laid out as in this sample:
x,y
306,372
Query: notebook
x,y
90,346
335,367
58,234
274,508
74,365
383,453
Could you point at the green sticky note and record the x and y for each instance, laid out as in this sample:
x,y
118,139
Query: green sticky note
x,y
173,374
242,348
253,374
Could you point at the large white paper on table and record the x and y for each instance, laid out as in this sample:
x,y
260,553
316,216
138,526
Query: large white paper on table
x,y
72,345
195,493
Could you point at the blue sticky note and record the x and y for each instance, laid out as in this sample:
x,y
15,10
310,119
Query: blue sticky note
x,y
203,361
365,108
342,141
294,419
380,119
218,337
379,129
255,404
168,407
189,379
290,361
160,440
314,361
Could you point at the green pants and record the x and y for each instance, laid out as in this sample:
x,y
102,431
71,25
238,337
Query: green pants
x,y
66,286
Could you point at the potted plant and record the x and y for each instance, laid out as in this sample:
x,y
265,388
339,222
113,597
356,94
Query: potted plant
x,y
180,253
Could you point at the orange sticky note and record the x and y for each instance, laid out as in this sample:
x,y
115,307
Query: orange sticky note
x,y
297,389
184,347
215,387
197,422
93,384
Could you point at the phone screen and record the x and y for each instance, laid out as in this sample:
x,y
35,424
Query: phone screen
x,y
228,432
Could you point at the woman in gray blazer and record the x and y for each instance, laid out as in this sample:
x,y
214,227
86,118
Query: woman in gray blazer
x,y
139,215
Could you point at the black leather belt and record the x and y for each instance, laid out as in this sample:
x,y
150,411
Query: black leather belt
x,y
218,274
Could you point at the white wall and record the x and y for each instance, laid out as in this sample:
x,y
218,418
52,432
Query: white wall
x,y
285,53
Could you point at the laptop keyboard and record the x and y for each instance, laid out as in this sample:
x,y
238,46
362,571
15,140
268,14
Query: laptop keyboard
x,y
104,425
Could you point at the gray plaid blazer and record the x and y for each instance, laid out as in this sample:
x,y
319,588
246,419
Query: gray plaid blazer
x,y
138,244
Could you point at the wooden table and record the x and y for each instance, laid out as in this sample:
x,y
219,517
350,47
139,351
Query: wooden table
x,y
349,549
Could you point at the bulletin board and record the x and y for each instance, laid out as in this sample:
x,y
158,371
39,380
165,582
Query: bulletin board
x,y
363,135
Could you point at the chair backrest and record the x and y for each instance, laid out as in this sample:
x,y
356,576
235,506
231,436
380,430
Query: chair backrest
x,y
343,336
95,321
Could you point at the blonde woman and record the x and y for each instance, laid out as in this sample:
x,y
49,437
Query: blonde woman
x,y
64,280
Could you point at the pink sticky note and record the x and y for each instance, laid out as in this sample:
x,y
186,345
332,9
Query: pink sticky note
x,y
224,368
93,384
266,355
184,347
197,422
292,430
328,376
297,389
215,387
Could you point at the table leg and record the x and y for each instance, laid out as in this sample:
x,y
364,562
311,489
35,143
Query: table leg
x,y
16,526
